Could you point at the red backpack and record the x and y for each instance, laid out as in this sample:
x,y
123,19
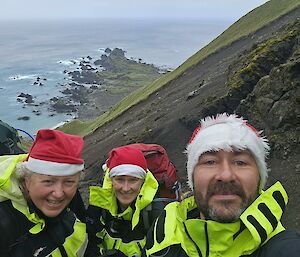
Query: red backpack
x,y
162,168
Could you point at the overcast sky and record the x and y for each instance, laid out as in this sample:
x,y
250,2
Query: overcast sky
x,y
30,9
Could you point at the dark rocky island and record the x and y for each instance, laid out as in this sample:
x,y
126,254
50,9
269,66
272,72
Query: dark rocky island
x,y
95,85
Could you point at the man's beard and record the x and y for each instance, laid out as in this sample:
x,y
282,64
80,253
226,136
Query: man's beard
x,y
216,212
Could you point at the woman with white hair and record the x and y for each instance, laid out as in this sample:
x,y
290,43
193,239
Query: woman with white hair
x,y
35,193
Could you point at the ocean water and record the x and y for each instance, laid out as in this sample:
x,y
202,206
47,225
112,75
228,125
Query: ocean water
x,y
45,49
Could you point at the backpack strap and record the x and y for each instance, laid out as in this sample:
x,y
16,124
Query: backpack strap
x,y
152,211
145,216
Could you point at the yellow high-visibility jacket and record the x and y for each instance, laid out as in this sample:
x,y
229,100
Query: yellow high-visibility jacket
x,y
115,232
25,231
180,232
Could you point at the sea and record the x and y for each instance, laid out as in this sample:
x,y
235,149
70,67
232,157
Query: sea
x,y
42,50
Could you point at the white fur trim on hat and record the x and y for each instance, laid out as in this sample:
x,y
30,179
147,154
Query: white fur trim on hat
x,y
128,170
53,168
227,132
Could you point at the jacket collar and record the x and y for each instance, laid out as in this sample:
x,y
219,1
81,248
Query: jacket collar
x,y
257,224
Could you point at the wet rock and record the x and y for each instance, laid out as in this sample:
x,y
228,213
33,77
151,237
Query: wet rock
x,y
107,50
24,118
27,98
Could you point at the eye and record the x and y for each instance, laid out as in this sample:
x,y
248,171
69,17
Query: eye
x,y
70,182
133,180
207,161
210,162
240,162
47,182
118,179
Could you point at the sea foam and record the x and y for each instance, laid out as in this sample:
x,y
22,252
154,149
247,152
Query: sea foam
x,y
22,77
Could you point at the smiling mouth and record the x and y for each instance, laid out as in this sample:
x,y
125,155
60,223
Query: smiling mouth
x,y
226,196
127,197
54,202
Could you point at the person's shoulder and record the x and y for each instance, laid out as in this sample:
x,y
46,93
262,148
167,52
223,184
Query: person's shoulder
x,y
9,221
161,236
286,243
6,213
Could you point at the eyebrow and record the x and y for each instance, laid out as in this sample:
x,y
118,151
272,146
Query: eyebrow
x,y
235,152
246,151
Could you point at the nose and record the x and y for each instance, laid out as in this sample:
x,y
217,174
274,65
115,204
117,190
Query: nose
x,y
126,186
226,172
58,190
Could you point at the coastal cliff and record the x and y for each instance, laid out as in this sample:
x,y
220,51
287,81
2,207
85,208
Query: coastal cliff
x,y
256,77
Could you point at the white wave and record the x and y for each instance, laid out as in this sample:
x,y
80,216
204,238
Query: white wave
x,y
58,125
68,62
102,50
64,122
53,72
22,77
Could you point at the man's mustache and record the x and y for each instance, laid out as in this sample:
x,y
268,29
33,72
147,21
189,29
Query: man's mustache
x,y
224,188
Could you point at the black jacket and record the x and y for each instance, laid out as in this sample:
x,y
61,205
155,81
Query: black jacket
x,y
17,241
284,244
116,228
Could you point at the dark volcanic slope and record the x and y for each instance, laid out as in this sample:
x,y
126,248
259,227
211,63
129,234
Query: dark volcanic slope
x,y
169,116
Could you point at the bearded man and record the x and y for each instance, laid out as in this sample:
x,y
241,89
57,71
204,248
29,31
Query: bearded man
x,y
229,214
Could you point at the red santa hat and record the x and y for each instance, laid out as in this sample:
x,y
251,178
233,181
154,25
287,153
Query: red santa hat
x,y
227,132
126,160
55,153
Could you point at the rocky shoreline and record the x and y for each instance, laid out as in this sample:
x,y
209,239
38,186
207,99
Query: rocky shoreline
x,y
95,85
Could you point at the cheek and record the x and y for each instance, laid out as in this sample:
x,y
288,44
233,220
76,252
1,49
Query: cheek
x,y
38,194
136,191
138,187
251,185
71,191
116,186
200,180
33,189
117,189
249,181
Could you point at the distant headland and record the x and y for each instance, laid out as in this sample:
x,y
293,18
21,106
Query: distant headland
x,y
94,85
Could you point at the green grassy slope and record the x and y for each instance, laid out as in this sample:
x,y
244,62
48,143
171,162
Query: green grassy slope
x,y
245,26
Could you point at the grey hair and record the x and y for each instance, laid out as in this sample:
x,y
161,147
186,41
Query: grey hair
x,y
22,171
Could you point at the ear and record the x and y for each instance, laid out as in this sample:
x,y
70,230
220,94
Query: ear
x,y
25,182
24,187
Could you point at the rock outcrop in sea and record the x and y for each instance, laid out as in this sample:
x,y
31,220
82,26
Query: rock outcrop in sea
x,y
95,85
